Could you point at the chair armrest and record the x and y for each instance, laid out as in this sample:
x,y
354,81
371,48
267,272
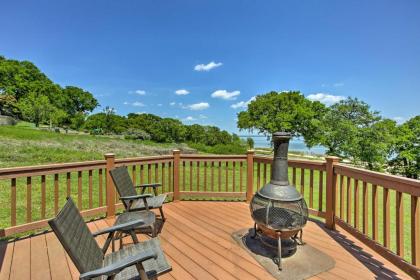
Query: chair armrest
x,y
128,225
134,197
152,185
114,268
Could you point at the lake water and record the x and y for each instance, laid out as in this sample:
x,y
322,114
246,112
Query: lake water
x,y
295,145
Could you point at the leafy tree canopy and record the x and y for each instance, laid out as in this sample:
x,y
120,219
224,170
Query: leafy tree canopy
x,y
283,111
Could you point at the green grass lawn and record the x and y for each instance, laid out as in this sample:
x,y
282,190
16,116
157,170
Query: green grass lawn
x,y
21,146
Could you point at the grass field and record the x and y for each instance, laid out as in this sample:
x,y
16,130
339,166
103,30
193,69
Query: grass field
x,y
23,145
26,146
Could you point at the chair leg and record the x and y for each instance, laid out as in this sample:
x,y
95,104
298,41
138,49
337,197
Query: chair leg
x,y
161,213
134,236
142,272
107,242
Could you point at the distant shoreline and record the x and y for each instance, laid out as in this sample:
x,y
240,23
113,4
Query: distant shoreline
x,y
296,145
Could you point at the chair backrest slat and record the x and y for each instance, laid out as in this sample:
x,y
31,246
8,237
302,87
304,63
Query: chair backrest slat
x,y
76,238
122,181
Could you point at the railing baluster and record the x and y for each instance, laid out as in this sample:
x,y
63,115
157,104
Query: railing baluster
x,y
141,174
320,192
356,203
198,176
68,179
90,190
191,176
258,175
56,193
79,190
183,177
399,209
28,199
375,212
264,173
205,176
170,176
226,176
163,177
365,208
348,200
241,167
156,172
311,188
100,175
386,217
219,175
212,176
342,197
149,173
302,182
13,202
134,174
415,231
294,176
233,176
43,196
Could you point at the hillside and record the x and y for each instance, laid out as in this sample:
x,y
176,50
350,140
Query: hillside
x,y
24,145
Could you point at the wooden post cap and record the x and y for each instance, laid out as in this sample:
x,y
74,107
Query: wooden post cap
x,y
332,159
176,151
250,151
109,155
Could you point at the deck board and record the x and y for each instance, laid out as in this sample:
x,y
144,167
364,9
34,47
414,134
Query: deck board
x,y
197,241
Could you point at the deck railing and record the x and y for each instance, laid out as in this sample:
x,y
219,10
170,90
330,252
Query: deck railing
x,y
381,210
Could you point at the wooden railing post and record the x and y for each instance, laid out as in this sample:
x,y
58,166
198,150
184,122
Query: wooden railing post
x,y
250,175
110,189
177,160
331,191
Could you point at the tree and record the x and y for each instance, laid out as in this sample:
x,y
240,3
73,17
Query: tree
x,y
250,143
373,144
8,105
406,153
78,100
339,126
36,109
283,111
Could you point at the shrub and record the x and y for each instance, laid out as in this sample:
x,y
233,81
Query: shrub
x,y
136,134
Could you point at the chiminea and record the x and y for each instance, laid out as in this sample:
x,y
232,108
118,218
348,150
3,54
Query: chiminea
x,y
278,209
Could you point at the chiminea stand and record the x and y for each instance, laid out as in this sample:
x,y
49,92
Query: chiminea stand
x,y
295,235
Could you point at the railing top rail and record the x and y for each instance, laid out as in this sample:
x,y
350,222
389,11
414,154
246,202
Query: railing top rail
x,y
193,157
398,183
308,164
148,159
23,171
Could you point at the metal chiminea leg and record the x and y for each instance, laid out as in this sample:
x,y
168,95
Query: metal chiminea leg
x,y
279,252
255,231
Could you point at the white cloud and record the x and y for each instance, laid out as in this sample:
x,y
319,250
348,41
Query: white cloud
x,y
189,119
242,104
226,95
140,92
325,98
399,120
198,106
160,105
207,67
136,104
172,103
202,116
182,92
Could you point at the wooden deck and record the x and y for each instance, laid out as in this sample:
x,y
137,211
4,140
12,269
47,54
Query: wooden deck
x,y
197,241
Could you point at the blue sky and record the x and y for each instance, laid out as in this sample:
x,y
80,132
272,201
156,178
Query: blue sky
x,y
134,55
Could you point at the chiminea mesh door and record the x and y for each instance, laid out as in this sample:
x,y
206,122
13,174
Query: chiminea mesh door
x,y
288,215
